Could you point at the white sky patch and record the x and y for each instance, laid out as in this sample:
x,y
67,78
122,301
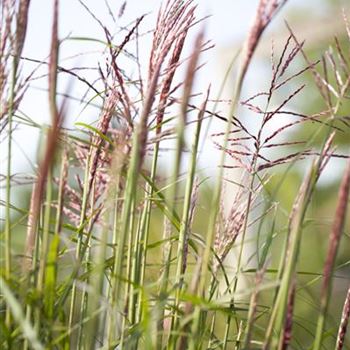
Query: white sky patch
x,y
226,27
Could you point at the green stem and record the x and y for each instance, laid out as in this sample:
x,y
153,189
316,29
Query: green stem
x,y
44,244
10,113
129,196
184,227
79,232
110,321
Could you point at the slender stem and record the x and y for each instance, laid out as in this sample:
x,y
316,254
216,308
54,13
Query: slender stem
x,y
8,182
129,196
80,240
33,278
52,260
96,277
111,317
44,244
134,256
215,205
240,255
172,194
144,229
184,227
87,256
128,290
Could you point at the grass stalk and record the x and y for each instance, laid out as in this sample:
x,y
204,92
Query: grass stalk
x,y
183,232
8,183
215,203
276,323
110,319
95,302
334,240
52,259
138,146
343,323
140,250
80,236
44,247
184,228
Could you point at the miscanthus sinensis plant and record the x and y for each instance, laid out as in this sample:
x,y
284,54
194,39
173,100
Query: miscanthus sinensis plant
x,y
112,256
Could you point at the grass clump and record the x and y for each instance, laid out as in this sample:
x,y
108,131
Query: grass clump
x,y
119,255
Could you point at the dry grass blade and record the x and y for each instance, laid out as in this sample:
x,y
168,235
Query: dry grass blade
x,y
287,331
334,239
344,323
22,19
52,139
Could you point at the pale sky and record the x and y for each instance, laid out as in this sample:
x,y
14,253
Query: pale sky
x,y
226,28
